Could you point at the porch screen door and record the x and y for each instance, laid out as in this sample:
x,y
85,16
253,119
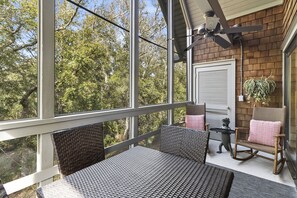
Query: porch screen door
x,y
291,103
214,84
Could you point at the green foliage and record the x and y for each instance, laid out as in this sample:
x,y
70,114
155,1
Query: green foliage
x,y
259,90
18,83
18,59
151,122
19,159
180,81
92,65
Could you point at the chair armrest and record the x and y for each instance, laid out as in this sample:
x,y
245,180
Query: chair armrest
x,y
3,193
206,126
242,128
241,133
181,123
279,140
279,135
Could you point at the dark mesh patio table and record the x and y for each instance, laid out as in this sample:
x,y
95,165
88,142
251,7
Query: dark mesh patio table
x,y
143,172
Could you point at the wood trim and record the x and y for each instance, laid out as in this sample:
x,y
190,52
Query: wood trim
x,y
129,142
22,128
30,180
255,9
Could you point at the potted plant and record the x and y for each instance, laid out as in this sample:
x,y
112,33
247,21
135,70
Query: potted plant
x,y
259,90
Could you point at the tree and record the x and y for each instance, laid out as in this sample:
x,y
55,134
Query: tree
x,y
18,59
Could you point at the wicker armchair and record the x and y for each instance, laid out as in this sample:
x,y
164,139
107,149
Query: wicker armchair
x,y
79,147
184,142
3,193
242,134
197,109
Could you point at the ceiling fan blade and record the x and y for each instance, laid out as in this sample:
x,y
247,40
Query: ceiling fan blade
x,y
191,35
214,4
222,42
193,44
243,29
219,12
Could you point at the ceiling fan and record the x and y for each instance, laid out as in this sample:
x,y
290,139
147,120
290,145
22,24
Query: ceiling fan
x,y
216,26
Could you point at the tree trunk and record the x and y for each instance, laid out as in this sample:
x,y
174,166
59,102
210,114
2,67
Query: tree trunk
x,y
25,102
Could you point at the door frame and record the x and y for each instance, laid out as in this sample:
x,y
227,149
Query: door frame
x,y
291,153
290,37
228,64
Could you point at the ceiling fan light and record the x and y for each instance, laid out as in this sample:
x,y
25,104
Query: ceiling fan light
x,y
211,23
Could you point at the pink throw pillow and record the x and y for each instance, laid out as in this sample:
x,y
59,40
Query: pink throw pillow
x,y
195,122
262,132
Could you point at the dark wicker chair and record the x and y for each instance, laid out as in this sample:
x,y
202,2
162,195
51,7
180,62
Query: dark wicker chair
x,y
79,147
184,142
242,134
3,193
197,109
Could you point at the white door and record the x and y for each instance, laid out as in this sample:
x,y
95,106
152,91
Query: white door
x,y
214,84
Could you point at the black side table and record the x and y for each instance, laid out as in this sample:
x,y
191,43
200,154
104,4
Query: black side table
x,y
225,140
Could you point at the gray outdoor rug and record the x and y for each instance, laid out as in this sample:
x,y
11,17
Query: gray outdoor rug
x,y
248,186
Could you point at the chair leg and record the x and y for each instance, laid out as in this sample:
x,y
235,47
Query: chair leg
x,y
278,168
283,160
275,163
235,151
208,151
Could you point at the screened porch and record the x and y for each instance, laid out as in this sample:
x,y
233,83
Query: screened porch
x,y
134,66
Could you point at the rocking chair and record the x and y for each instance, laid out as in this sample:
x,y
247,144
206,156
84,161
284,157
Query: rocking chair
x,y
266,134
196,117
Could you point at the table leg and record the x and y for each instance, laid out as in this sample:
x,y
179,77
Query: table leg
x,y
220,148
226,143
226,140
231,150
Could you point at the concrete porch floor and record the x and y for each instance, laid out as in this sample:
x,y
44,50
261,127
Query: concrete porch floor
x,y
256,166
